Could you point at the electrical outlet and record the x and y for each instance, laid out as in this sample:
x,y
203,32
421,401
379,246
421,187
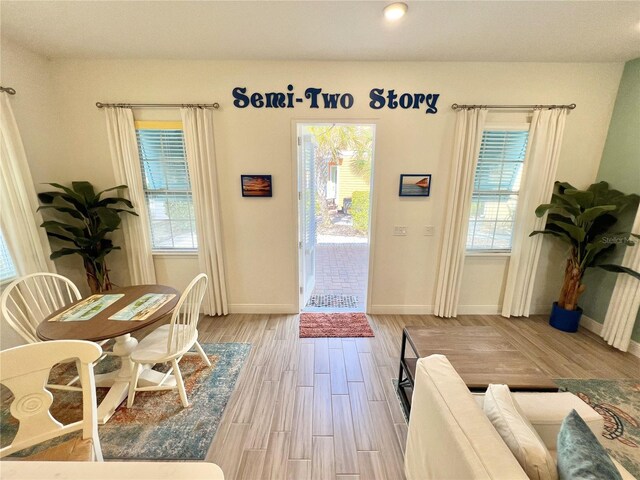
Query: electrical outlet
x,y
400,230
429,230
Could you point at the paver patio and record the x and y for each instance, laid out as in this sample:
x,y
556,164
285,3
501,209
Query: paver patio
x,y
341,269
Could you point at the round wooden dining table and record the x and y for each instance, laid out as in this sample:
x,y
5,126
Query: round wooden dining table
x,y
100,328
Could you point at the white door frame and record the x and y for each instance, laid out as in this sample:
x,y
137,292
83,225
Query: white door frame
x,y
373,199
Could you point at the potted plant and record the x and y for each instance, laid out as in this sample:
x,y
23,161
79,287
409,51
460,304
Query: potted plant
x,y
583,219
89,219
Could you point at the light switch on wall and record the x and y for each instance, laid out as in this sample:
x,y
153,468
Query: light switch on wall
x,y
429,230
400,230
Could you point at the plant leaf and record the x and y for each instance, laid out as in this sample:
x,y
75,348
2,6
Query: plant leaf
x,y
64,251
68,210
61,237
567,203
50,197
562,186
84,189
68,191
113,200
73,230
110,218
619,269
584,198
112,189
590,214
122,210
577,233
551,232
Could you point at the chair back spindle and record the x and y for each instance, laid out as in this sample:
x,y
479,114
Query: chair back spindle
x,y
30,299
184,321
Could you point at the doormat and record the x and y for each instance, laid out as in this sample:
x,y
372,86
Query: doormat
x,y
334,325
156,427
333,301
618,401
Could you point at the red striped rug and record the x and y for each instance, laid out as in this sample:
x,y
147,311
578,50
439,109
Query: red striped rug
x,y
334,325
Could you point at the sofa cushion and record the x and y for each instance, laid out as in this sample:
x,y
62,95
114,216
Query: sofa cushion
x,y
580,455
546,411
519,435
449,436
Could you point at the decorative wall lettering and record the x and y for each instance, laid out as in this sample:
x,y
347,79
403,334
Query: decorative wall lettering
x,y
405,100
317,98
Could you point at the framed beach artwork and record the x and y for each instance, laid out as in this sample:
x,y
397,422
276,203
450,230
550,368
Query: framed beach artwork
x,y
415,184
256,185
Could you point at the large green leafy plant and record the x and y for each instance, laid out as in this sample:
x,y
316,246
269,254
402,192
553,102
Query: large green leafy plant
x,y
88,220
584,220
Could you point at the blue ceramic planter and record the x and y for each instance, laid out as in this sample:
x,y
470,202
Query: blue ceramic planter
x,y
565,320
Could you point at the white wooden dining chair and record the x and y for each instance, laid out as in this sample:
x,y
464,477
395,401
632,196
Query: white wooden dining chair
x,y
169,343
30,299
24,371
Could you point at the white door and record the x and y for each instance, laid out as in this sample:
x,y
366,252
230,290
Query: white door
x,y
307,189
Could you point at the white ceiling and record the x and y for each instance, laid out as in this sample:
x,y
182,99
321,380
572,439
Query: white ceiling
x,y
554,31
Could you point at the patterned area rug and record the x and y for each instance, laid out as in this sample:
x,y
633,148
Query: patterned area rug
x,y
618,401
334,325
333,301
157,427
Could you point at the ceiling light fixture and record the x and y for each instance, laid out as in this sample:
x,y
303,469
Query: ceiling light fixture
x,y
395,11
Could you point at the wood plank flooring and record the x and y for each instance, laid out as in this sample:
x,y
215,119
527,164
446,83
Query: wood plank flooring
x,y
326,408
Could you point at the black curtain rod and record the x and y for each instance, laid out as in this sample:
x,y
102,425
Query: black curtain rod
x,y
9,90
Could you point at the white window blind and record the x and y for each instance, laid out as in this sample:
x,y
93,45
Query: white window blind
x,y
495,190
167,188
7,268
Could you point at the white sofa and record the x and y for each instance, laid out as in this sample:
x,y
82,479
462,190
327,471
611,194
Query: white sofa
x,y
451,438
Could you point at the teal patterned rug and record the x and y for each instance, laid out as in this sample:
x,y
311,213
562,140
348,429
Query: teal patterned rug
x,y
618,401
156,427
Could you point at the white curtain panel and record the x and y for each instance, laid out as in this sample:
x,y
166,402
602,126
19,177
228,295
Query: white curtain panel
x,y
20,221
467,138
201,158
541,164
625,299
126,168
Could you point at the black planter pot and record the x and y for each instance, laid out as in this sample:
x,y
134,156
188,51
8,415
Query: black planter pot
x,y
565,320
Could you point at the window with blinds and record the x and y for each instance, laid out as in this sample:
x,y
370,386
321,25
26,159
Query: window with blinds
x,y
495,190
167,188
7,268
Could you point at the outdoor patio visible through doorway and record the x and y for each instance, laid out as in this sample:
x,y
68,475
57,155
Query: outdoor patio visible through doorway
x,y
336,167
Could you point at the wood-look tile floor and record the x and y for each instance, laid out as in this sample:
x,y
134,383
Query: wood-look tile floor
x,y
326,408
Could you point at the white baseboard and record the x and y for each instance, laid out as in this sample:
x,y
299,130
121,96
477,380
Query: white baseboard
x,y
263,308
596,327
590,324
401,310
479,309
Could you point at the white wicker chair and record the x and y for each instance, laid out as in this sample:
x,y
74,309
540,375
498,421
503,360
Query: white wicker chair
x,y
24,371
169,343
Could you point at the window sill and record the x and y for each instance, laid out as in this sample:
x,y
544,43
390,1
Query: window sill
x,y
174,253
488,254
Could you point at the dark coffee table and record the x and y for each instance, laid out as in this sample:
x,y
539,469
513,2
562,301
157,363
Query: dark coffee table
x,y
480,354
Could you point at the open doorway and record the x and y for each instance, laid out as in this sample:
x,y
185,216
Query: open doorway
x,y
335,165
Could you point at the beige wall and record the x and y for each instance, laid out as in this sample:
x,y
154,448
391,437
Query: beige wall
x,y
260,234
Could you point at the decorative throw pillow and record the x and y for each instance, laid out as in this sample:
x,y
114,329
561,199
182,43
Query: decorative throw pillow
x,y
580,455
516,431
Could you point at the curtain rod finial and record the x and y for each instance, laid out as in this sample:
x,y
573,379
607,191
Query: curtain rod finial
x,y
99,105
